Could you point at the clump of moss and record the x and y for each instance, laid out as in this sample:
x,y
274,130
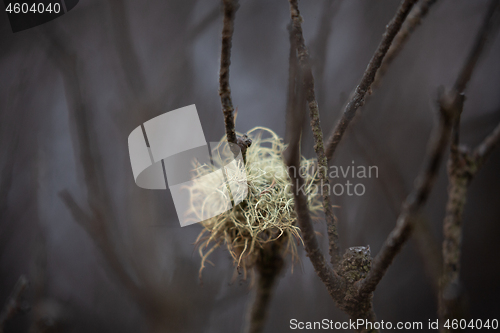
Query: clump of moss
x,y
267,213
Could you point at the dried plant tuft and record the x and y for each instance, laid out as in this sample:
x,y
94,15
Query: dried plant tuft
x,y
267,214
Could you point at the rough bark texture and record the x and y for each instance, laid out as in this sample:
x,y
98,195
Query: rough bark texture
x,y
462,167
230,7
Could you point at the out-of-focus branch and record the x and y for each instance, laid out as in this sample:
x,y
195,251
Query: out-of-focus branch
x,y
229,9
480,43
127,55
7,171
99,221
99,232
308,86
413,20
13,304
415,201
319,46
204,23
358,98
11,136
483,150
429,249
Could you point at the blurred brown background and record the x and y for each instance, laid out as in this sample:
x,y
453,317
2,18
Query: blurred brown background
x,y
114,64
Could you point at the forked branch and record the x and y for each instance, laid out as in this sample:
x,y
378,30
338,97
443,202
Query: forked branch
x,y
463,165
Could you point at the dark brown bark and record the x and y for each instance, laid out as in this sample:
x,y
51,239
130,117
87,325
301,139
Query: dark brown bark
x,y
229,9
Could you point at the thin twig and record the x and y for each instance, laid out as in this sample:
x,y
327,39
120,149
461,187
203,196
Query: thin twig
x,y
413,20
229,8
100,234
319,46
308,86
127,55
485,32
204,23
13,304
484,149
364,86
100,221
414,202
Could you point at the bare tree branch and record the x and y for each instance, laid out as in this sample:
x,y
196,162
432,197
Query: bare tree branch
x,y
127,55
229,8
13,304
479,44
340,287
429,249
413,20
308,86
319,46
204,23
100,234
462,167
100,221
358,99
483,150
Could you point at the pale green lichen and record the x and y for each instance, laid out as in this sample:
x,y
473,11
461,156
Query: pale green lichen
x,y
267,213
356,263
